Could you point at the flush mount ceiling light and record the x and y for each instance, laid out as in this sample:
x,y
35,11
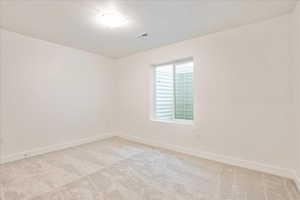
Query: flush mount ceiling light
x,y
112,19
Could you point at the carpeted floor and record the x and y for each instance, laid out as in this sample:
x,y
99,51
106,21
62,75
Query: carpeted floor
x,y
116,169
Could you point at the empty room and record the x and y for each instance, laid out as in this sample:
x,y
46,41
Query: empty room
x,y
149,100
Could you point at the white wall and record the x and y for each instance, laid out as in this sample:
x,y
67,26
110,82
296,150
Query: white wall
x,y
296,71
52,94
242,94
1,95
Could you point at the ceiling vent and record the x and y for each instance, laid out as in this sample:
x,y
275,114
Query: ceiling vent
x,y
143,35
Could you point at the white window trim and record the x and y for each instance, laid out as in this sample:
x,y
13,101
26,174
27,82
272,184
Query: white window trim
x,y
175,121
152,113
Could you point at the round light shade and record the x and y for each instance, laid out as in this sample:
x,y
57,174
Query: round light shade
x,y
112,19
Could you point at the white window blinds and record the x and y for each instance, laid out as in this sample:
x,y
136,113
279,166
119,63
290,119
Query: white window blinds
x,y
164,92
173,91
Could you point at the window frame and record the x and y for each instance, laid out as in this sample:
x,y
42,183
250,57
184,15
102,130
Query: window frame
x,y
153,93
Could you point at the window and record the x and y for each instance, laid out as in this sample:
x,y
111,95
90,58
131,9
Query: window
x,y
173,91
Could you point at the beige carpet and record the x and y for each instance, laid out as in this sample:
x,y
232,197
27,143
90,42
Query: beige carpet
x,y
116,169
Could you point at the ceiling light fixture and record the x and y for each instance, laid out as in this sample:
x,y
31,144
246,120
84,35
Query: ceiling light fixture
x,y
112,19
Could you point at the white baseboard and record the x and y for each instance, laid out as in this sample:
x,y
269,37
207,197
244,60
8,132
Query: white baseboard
x,y
287,173
57,147
297,181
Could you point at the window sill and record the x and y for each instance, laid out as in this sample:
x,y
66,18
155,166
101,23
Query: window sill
x,y
180,122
